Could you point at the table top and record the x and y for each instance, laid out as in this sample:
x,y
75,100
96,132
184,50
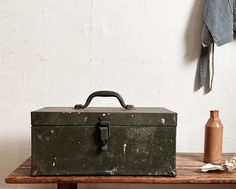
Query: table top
x,y
187,165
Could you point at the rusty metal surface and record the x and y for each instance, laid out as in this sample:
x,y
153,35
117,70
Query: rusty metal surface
x,y
77,151
103,141
116,116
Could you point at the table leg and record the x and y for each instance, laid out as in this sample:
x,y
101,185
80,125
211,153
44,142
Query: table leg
x,y
67,186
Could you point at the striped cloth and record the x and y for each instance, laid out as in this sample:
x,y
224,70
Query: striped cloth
x,y
219,27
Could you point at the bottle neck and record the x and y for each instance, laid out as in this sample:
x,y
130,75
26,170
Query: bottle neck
x,y
214,114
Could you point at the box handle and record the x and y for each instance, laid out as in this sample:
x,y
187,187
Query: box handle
x,y
105,94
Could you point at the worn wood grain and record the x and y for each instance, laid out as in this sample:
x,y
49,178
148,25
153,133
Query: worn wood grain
x,y
187,173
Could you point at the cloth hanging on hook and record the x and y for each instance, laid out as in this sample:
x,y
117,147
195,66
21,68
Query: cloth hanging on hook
x,y
207,66
219,27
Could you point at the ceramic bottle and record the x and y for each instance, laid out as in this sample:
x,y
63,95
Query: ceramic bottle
x,y
213,139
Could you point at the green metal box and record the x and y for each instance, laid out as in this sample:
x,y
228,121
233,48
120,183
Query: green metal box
x,y
103,141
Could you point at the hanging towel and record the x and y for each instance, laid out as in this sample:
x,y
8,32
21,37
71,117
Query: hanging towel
x,y
219,27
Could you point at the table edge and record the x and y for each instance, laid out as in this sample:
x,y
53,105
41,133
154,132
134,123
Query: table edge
x,y
121,179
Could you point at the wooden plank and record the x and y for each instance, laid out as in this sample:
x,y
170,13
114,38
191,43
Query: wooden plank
x,y
187,173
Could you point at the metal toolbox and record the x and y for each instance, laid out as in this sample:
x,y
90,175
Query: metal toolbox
x,y
85,140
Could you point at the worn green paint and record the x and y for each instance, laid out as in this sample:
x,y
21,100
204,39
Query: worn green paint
x,y
69,142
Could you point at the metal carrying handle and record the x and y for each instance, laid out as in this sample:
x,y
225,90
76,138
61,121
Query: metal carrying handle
x,y
105,94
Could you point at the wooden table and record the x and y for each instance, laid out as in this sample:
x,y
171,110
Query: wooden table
x,y
187,173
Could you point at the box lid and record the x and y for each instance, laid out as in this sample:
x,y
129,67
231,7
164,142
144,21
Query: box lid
x,y
90,116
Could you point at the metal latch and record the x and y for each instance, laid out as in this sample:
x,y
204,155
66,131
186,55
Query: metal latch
x,y
104,128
